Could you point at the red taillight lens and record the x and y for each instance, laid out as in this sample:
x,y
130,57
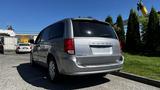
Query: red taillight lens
x,y
18,47
30,47
69,46
121,46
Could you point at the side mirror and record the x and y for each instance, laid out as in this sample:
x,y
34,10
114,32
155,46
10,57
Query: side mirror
x,y
31,41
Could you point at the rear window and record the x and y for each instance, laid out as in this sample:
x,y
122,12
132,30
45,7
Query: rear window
x,y
84,28
24,45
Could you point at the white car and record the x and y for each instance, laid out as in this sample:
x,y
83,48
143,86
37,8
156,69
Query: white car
x,y
23,47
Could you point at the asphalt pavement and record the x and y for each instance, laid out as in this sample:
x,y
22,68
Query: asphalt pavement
x,y
17,74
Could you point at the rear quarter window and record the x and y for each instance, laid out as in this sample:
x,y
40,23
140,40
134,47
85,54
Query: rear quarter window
x,y
56,30
86,28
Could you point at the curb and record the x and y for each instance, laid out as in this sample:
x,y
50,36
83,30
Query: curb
x,y
141,79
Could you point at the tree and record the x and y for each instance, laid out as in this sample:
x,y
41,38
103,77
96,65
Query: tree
x,y
120,30
9,27
133,41
144,22
109,20
153,31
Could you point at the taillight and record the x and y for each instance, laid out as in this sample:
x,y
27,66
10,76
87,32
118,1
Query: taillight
x,y
18,47
121,46
30,47
69,46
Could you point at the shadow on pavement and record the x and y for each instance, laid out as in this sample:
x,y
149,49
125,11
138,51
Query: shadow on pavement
x,y
36,76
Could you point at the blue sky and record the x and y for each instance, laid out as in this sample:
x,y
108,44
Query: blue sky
x,y
31,16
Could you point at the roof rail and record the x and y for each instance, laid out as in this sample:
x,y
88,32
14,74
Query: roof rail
x,y
85,18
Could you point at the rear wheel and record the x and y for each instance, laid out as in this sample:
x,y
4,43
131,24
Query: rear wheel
x,y
2,51
17,52
52,70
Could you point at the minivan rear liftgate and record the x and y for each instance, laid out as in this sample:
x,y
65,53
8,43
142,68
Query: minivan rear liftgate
x,y
96,51
96,43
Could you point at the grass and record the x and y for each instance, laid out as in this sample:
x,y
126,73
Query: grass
x,y
142,65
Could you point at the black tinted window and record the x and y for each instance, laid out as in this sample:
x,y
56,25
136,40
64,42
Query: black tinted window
x,y
83,28
24,45
39,37
56,30
45,35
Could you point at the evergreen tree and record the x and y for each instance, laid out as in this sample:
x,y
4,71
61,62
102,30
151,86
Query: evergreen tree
x,y
120,32
9,27
109,20
144,29
133,33
153,31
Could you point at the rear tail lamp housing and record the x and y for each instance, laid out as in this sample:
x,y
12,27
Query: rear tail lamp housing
x,y
18,47
69,46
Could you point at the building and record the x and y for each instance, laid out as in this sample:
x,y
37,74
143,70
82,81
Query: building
x,y
7,33
24,38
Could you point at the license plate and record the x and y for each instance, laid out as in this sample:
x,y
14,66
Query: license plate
x,y
101,51
25,48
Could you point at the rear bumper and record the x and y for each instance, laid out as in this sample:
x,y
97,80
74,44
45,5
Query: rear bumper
x,y
22,50
69,66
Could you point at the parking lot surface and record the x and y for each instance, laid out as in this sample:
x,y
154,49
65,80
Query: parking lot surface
x,y
17,74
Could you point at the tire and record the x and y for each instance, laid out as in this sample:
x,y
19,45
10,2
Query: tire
x,y
2,50
53,74
17,52
32,62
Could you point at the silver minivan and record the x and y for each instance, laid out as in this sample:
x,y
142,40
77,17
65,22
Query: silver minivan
x,y
77,46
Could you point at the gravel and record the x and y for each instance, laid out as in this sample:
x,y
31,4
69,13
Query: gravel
x,y
17,74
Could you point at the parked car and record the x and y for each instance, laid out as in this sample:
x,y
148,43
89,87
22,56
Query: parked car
x,y
23,48
77,46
